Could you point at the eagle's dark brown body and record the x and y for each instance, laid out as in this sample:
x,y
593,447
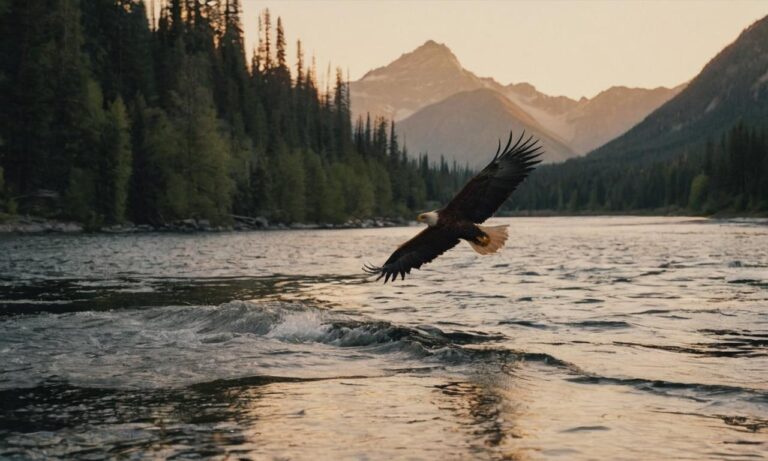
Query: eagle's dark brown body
x,y
460,227
460,219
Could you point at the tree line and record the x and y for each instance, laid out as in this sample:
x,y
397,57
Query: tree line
x,y
729,174
107,116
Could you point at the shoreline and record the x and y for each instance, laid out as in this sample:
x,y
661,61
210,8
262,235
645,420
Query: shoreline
x,y
31,225
639,213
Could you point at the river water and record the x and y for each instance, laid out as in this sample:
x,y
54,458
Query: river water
x,y
586,338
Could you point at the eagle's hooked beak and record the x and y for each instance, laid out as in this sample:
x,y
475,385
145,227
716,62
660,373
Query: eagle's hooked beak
x,y
421,218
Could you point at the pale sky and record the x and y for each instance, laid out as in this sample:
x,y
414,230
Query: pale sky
x,y
574,48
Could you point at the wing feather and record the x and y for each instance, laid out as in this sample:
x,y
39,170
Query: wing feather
x,y
487,191
421,249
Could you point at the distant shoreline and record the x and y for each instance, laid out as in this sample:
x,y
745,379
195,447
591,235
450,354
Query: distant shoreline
x,y
649,213
30,225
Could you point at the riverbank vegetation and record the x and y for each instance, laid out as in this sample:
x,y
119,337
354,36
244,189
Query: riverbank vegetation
x,y
107,116
726,176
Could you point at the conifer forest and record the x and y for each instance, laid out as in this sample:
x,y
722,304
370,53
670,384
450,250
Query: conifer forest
x,y
113,111
110,114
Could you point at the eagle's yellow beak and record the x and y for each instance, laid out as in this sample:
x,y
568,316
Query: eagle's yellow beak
x,y
420,218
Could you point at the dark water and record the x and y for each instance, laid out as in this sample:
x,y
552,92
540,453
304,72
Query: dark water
x,y
587,338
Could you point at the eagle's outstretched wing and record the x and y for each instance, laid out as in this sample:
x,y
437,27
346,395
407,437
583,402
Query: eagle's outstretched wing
x,y
485,193
423,248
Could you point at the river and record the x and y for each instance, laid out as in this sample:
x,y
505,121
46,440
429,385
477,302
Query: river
x,y
585,338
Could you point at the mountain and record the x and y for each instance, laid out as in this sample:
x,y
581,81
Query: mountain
x,y
466,126
427,75
431,73
589,123
732,87
703,151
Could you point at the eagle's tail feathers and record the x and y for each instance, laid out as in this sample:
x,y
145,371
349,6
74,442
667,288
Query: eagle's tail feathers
x,y
494,239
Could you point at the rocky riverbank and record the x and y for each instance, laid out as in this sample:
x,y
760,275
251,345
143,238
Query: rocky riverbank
x,y
37,225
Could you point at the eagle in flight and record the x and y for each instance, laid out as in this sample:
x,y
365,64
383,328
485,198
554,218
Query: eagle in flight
x,y
460,219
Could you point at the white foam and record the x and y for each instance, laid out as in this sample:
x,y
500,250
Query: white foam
x,y
300,327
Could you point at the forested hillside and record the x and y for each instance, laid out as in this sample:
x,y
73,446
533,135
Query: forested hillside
x,y
726,174
108,115
704,151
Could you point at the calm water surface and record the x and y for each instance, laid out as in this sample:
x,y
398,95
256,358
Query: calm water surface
x,y
586,338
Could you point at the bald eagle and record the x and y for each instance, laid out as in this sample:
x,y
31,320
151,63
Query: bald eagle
x,y
476,202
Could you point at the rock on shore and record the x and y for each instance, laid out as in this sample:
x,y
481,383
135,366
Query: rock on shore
x,y
35,225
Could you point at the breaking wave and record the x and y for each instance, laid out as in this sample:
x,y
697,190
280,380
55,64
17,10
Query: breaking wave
x,y
298,323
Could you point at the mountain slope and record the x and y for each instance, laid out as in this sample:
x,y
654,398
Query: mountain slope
x,y
704,151
466,127
589,123
733,86
427,75
431,73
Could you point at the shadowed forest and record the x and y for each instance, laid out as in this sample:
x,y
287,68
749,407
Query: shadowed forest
x,y
709,176
106,119
110,115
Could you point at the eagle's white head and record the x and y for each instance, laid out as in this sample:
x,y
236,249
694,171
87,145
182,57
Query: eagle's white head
x,y
429,217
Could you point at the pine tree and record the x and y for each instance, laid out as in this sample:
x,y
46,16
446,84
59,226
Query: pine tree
x,y
266,41
394,149
205,164
280,45
116,163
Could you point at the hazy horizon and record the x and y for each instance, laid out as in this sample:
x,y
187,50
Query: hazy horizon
x,y
580,48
